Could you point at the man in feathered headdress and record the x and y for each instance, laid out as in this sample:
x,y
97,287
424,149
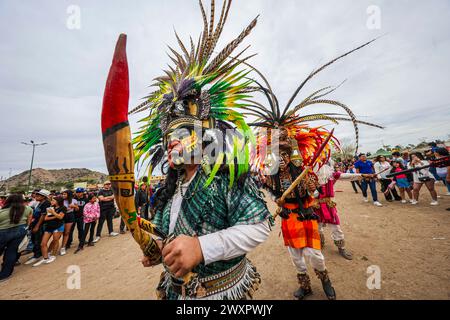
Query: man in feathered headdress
x,y
214,215
300,148
299,222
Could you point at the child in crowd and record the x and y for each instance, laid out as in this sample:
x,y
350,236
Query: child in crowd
x,y
91,213
401,180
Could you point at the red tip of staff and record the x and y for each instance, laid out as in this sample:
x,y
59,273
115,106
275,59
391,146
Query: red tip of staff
x,y
117,91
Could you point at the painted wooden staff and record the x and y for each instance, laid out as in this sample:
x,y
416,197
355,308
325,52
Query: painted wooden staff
x,y
304,173
119,151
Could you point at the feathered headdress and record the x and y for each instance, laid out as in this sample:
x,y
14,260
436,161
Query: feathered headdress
x,y
295,122
198,88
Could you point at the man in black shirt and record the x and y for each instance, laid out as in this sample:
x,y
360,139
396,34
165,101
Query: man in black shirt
x,y
107,210
141,200
81,199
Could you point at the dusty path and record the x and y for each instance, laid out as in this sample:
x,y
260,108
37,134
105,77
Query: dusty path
x,y
410,244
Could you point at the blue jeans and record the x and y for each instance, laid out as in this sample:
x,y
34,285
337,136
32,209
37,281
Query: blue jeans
x,y
434,173
444,180
373,188
10,240
30,243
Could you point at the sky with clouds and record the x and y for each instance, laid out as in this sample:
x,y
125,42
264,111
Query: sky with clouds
x,y
52,77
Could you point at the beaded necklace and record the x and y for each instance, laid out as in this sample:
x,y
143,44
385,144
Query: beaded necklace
x,y
180,186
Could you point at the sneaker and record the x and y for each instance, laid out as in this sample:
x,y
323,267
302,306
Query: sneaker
x,y
434,203
403,201
62,251
78,250
31,260
91,244
113,234
377,203
97,239
448,193
414,202
366,200
411,201
49,260
37,264
122,231
5,279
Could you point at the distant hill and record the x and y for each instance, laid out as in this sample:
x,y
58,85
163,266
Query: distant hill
x,y
54,179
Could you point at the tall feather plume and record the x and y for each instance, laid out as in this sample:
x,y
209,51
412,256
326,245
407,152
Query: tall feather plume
x,y
183,48
139,107
291,118
223,17
347,109
220,58
312,74
369,124
210,31
204,34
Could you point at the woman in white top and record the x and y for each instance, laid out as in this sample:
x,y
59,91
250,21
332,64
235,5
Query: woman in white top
x,y
382,168
422,177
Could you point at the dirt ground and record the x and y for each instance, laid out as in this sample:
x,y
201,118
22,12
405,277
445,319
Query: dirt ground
x,y
410,245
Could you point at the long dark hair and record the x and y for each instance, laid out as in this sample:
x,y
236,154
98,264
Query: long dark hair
x,y
69,195
59,200
166,192
417,154
16,205
401,166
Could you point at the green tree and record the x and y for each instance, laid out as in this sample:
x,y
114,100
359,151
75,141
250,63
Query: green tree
x,y
347,151
68,185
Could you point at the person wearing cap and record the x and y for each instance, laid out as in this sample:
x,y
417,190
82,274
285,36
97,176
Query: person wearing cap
x,y
81,199
107,210
36,224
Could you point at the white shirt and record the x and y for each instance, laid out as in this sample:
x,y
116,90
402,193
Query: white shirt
x,y
382,168
421,173
33,204
66,204
224,244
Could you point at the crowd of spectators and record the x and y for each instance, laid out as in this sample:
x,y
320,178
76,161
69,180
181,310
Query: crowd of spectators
x,y
42,225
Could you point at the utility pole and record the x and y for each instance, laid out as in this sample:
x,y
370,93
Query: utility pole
x,y
34,145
